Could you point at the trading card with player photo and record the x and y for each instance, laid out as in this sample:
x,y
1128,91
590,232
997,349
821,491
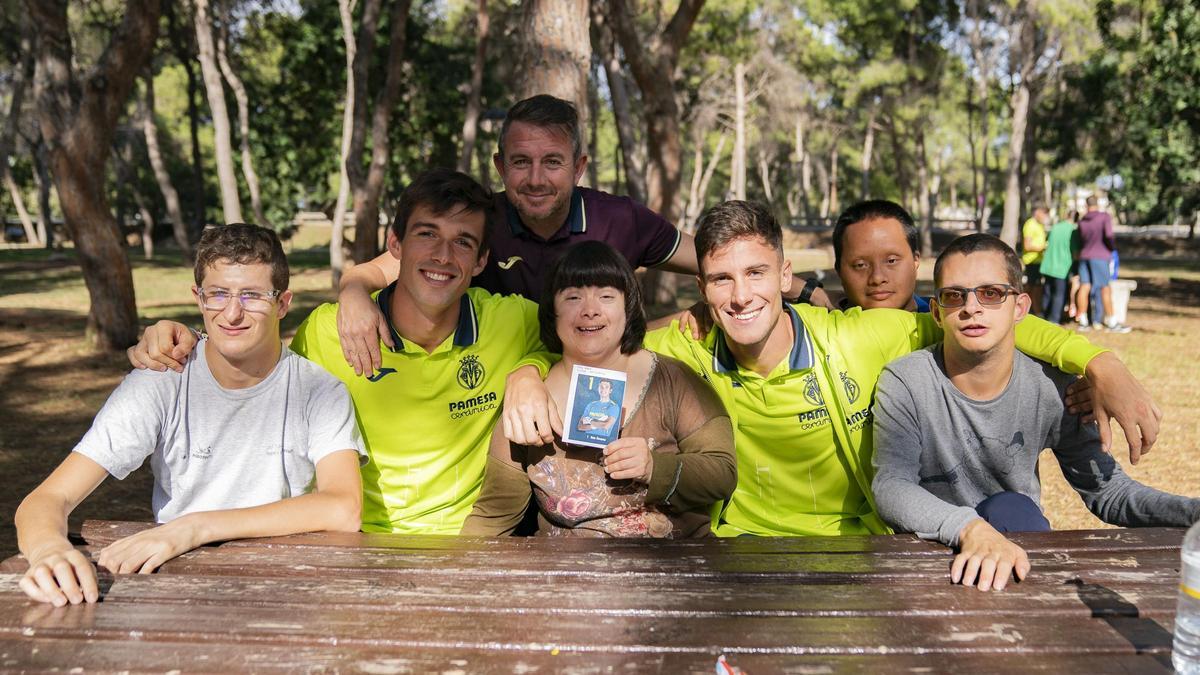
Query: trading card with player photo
x,y
594,411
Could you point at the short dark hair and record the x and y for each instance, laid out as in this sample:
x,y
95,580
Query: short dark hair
x,y
593,263
735,219
546,111
242,244
441,190
981,243
1092,201
870,210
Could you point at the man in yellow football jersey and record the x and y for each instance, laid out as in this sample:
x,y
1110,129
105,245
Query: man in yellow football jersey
x,y
427,414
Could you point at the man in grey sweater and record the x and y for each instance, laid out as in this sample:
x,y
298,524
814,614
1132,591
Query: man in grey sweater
x,y
958,428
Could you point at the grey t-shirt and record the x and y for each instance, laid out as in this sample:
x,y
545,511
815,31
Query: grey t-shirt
x,y
938,453
213,448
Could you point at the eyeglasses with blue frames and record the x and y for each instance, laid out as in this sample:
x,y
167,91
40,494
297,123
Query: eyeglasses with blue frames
x,y
217,299
990,295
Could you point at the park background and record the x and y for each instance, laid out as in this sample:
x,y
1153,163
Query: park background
x,y
127,127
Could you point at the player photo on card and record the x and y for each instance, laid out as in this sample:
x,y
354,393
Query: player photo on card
x,y
594,412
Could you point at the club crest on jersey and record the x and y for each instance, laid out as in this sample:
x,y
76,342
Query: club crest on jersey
x,y
470,372
852,388
812,390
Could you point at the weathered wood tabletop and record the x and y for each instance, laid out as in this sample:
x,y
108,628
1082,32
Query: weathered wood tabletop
x,y
1097,601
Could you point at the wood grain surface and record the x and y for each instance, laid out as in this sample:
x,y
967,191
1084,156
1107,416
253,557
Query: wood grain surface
x,y
1097,601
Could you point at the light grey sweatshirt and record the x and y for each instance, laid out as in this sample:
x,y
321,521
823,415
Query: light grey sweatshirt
x,y
939,453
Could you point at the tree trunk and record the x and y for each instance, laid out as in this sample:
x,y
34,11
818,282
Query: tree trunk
x,y
161,175
834,205
823,182
898,161
14,191
474,97
653,65
184,55
614,74
231,206
764,174
806,171
1022,44
868,150
243,108
1047,189
78,117
593,98
41,176
1016,142
925,210
977,94
738,174
128,176
701,176
368,186
556,52
20,78
337,254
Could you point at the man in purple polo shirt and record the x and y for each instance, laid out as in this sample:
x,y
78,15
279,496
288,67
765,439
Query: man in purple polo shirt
x,y
540,214
1098,243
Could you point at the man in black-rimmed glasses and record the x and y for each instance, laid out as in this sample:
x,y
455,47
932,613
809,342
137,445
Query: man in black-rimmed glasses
x,y
958,428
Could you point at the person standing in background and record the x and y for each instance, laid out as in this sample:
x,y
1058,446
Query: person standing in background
x,y
1033,243
1097,245
1062,246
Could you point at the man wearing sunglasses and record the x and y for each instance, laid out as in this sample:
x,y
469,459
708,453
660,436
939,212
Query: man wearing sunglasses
x,y
246,440
958,428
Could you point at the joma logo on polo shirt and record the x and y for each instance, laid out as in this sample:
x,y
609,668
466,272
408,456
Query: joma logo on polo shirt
x,y
507,264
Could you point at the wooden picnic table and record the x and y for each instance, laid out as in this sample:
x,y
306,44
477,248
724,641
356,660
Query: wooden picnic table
x,y
1097,601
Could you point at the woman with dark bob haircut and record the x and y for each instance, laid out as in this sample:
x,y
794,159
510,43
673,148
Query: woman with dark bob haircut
x,y
674,456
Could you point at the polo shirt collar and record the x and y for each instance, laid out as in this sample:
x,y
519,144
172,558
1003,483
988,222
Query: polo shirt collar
x,y
576,217
800,358
465,335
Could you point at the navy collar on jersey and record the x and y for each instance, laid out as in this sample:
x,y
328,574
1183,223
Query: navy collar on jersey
x,y
576,217
465,335
800,358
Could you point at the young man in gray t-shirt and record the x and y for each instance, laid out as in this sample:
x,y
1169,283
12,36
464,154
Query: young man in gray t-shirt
x,y
958,428
249,440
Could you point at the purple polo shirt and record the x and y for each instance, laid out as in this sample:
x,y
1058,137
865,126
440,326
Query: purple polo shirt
x,y
1096,238
520,259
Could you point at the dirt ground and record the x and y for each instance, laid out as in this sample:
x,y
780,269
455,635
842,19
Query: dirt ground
x,y
51,385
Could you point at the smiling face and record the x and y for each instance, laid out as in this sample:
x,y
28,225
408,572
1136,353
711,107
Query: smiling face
x,y
438,256
878,268
604,389
237,335
590,322
743,283
539,172
975,329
